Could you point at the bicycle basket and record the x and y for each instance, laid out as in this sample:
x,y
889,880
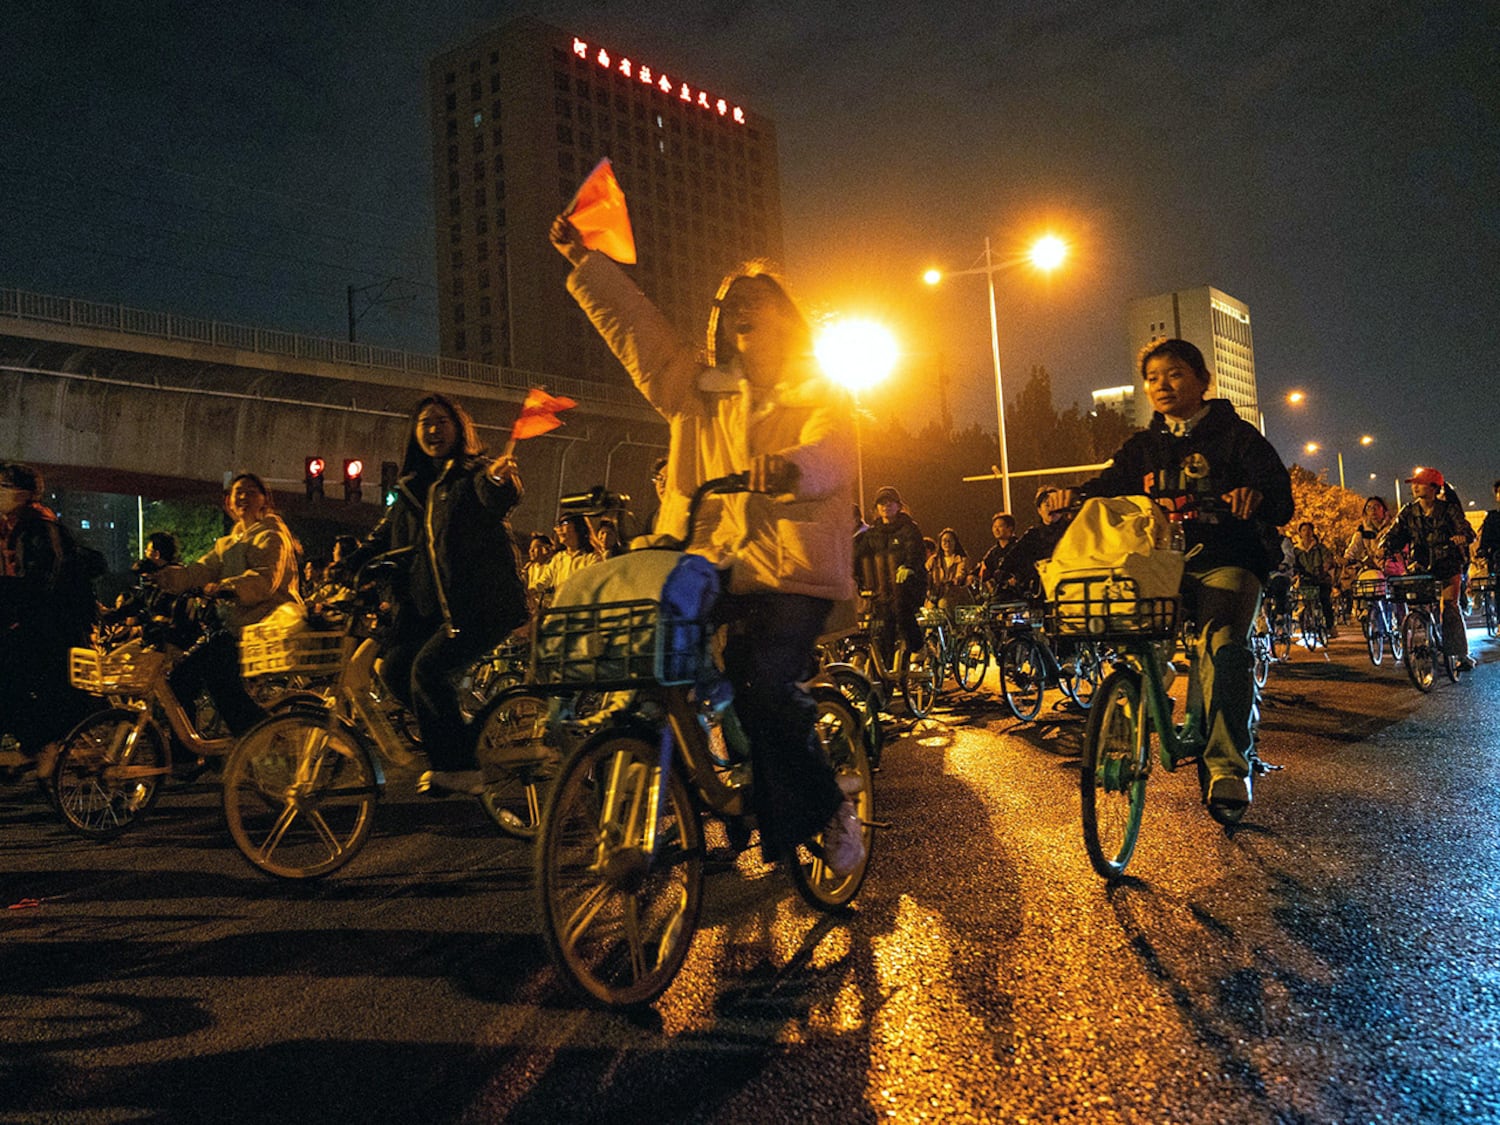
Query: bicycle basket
x,y
968,614
1108,606
1008,613
1369,587
1416,589
275,647
618,645
127,670
930,616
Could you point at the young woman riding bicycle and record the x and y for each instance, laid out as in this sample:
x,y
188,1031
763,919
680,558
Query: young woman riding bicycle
x,y
1438,535
1199,446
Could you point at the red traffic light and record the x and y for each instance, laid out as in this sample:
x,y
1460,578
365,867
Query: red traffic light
x,y
353,469
313,467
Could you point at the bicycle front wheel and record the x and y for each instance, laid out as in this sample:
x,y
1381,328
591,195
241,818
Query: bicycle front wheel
x,y
923,678
1023,677
1417,641
1080,677
299,795
618,916
1260,650
837,731
971,660
864,700
515,759
1116,764
109,772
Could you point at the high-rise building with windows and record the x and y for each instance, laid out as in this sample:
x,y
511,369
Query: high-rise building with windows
x,y
520,116
1220,326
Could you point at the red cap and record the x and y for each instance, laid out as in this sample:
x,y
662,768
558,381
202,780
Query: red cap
x,y
1426,476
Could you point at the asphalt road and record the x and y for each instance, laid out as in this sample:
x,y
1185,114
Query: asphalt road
x,y
1331,960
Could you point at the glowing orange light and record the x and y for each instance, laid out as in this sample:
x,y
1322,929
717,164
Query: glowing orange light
x,y
932,277
1296,398
1312,447
739,115
625,67
580,48
686,95
644,74
665,85
1366,439
1049,252
603,58
353,468
722,106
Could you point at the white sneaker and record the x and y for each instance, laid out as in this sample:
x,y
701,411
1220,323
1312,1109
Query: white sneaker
x,y
843,837
444,783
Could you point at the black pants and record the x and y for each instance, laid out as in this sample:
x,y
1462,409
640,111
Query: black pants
x,y
422,668
771,640
37,703
213,664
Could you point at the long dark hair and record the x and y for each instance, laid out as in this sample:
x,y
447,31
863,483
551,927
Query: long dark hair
x,y
758,273
417,463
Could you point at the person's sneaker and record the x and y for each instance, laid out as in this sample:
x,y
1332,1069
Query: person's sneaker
x,y
1229,792
446,783
1464,663
843,837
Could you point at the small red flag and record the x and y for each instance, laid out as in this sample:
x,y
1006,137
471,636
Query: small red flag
x,y
598,212
539,413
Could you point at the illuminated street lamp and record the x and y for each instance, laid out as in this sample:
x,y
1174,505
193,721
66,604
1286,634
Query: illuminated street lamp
x,y
1047,253
856,354
1295,398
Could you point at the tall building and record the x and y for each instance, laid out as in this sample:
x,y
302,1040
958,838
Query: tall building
x,y
1220,326
520,116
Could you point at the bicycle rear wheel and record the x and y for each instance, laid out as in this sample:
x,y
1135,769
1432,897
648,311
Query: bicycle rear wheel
x,y
1374,630
837,730
971,659
1281,638
299,794
864,699
1260,650
618,920
516,760
1023,676
1116,764
1417,641
109,772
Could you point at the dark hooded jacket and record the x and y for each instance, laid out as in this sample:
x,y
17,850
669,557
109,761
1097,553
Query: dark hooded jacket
x,y
884,548
464,569
1223,452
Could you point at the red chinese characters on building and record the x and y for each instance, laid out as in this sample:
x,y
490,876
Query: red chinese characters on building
x,y
648,76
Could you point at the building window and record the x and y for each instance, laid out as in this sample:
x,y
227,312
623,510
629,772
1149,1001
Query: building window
x,y
478,144
458,313
484,303
498,165
474,91
450,103
458,286
484,279
481,224
452,154
452,181
479,192
494,84
459,342
478,119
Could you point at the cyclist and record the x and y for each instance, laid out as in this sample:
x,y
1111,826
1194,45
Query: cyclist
x,y
1003,528
1315,566
759,406
1055,509
1196,446
463,592
890,560
1488,549
251,572
1438,535
948,573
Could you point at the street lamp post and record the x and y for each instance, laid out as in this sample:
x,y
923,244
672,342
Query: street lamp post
x,y
1047,253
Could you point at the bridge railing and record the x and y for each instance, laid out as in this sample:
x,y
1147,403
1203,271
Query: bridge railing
x,y
20,304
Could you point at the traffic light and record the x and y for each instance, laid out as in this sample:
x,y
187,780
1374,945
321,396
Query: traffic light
x,y
389,473
353,472
312,476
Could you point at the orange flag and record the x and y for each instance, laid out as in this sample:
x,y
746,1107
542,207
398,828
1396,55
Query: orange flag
x,y
539,413
598,211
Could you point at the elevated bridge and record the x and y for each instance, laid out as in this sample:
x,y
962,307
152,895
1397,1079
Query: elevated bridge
x,y
114,400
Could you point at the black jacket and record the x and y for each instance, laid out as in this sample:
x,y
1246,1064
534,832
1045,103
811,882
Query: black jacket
x,y
882,549
1431,537
464,569
50,596
1223,452
1018,574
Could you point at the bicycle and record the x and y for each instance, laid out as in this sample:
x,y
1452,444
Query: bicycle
x,y
1310,620
1378,618
1422,630
110,768
916,676
1260,647
620,854
1483,588
300,789
1029,661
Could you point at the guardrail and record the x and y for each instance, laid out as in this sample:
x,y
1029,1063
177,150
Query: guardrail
x,y
23,305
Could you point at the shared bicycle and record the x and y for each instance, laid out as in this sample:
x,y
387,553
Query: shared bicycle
x,y
620,852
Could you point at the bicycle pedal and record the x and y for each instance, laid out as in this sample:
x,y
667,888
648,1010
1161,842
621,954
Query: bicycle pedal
x,y
1260,765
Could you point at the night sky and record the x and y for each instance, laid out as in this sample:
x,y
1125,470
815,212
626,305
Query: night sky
x,y
1333,166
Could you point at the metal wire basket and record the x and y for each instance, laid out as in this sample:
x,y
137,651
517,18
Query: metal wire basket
x,y
618,645
277,648
1416,589
127,670
1107,607
1369,588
